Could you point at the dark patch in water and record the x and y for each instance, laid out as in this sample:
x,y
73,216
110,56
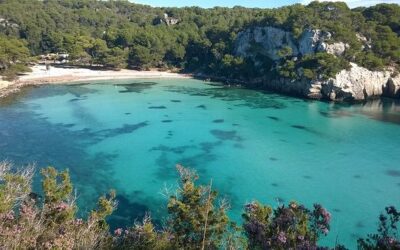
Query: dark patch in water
x,y
166,121
225,135
238,145
136,87
80,84
275,184
247,98
193,156
126,213
299,127
126,129
273,118
70,125
175,100
218,121
357,176
307,177
393,173
273,159
283,140
76,99
127,113
57,145
207,147
335,114
337,210
198,94
355,236
310,143
360,224
157,107
176,150
201,106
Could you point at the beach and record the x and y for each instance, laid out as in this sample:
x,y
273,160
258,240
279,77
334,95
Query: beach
x,y
65,75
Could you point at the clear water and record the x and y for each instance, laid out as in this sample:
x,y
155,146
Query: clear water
x,y
253,145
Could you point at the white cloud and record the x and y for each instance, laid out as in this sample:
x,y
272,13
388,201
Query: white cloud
x,y
357,3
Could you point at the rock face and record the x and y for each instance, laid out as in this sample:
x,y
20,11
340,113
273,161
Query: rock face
x,y
265,40
357,83
168,20
269,41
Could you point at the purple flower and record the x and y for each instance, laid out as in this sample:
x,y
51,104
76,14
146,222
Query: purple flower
x,y
61,207
282,237
118,232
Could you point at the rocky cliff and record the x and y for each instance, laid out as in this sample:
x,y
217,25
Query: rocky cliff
x,y
356,83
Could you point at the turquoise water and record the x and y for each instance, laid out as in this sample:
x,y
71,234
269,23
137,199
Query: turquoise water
x,y
129,135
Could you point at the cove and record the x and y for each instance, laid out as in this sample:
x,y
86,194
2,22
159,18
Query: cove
x,y
130,134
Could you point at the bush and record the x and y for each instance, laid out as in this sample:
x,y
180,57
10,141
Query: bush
x,y
28,221
195,221
387,237
291,227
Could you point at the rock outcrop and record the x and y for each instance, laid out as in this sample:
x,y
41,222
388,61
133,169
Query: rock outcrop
x,y
269,41
356,83
168,20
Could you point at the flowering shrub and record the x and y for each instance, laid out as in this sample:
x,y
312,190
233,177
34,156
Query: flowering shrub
x,y
387,237
195,221
287,227
29,222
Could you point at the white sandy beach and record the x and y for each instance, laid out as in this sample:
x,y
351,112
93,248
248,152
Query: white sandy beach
x,y
40,75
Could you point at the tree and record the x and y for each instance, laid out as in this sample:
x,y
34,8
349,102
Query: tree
x,y
14,55
195,221
116,58
30,221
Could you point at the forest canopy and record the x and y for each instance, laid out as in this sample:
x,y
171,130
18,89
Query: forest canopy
x,y
118,34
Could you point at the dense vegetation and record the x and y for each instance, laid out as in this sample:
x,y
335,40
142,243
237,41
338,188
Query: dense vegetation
x,y
119,34
49,220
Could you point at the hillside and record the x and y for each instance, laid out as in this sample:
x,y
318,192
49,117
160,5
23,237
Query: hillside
x,y
313,57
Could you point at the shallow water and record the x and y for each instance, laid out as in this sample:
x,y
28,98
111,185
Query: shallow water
x,y
129,135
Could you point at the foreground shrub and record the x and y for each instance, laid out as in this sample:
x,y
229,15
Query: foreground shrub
x,y
29,221
291,227
387,237
197,219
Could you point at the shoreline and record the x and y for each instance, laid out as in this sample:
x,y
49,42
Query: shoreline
x,y
61,75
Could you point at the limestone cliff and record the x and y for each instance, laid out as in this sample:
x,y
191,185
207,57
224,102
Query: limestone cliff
x,y
356,83
270,40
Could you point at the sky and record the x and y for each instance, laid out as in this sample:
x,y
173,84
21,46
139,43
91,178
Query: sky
x,y
251,3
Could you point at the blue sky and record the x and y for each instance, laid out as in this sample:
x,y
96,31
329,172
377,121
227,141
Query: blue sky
x,y
251,3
